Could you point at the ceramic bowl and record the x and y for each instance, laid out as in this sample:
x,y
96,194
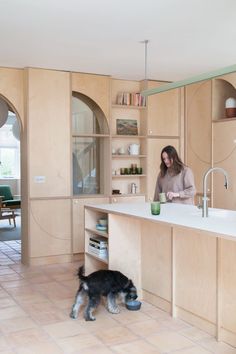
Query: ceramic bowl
x,y
133,305
103,222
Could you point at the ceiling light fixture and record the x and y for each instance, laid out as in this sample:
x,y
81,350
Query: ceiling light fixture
x,y
146,41
192,80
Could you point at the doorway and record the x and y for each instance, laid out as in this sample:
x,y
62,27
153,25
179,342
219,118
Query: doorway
x,y
10,180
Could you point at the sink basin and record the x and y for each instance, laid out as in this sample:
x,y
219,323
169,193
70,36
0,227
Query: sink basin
x,y
216,213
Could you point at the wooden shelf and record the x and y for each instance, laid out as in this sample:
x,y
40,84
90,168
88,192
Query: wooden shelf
x,y
125,156
97,232
90,135
103,260
223,120
128,176
116,136
127,106
128,195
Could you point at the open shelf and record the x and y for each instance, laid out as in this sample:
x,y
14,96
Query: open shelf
x,y
223,120
97,232
128,106
128,176
116,136
103,260
126,156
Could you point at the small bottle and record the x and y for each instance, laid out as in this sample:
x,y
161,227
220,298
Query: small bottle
x,y
133,188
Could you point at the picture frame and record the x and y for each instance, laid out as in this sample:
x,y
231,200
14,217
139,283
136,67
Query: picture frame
x,y
126,127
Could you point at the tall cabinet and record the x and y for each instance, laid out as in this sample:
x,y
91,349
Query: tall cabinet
x,y
211,138
224,142
198,115
164,127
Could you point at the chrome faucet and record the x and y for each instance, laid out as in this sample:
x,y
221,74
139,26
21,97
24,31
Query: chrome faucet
x,y
205,198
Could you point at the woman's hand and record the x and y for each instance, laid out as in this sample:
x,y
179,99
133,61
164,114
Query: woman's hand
x,y
171,195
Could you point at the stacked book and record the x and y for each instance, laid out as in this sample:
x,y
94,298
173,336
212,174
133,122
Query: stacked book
x,y
129,98
98,246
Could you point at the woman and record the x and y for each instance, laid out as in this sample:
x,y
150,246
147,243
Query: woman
x,y
175,179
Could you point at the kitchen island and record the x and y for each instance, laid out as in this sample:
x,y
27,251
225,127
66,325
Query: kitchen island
x,y
179,261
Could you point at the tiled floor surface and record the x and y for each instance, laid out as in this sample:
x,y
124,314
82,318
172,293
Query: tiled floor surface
x,y
34,318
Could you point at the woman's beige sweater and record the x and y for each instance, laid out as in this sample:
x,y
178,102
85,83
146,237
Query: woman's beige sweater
x,y
183,183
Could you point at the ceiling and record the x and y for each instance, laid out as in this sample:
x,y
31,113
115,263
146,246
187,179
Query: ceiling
x,y
187,37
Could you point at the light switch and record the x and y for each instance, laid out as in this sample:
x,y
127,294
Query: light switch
x,y
39,179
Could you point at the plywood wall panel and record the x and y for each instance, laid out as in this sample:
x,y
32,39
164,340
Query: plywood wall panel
x,y
12,88
96,87
50,228
49,122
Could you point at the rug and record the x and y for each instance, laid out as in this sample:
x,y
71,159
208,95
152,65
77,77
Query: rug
x,y
8,232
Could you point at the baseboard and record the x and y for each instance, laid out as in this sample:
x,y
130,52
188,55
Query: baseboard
x,y
196,321
65,258
228,337
78,257
156,301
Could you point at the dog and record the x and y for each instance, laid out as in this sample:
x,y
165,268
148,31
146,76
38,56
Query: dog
x,y
108,283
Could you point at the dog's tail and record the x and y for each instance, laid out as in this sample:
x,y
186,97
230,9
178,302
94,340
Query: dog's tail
x,y
80,273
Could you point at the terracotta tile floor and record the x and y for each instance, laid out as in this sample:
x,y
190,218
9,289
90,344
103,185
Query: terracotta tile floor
x,y
34,318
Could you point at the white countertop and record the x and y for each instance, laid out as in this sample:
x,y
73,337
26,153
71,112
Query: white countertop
x,y
220,221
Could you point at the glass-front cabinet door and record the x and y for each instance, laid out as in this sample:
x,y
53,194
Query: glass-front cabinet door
x,y
90,147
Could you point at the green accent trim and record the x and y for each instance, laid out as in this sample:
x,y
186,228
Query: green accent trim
x,y
192,80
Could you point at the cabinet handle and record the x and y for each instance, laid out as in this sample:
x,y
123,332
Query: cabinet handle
x,y
150,131
114,200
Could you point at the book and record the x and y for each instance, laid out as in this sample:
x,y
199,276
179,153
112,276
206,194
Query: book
x,y
99,240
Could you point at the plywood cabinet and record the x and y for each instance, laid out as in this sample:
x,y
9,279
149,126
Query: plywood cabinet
x,y
224,155
163,112
156,250
224,140
195,263
198,128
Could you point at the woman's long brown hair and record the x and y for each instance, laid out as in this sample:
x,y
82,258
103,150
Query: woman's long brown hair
x,y
177,165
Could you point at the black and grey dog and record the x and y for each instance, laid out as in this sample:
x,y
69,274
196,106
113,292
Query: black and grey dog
x,y
107,283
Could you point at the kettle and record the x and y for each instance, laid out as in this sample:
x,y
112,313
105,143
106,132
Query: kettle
x,y
133,149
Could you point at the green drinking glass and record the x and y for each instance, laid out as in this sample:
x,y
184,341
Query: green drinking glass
x,y
155,208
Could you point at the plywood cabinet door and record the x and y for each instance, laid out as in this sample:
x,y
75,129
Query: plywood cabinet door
x,y
198,128
164,112
156,259
224,155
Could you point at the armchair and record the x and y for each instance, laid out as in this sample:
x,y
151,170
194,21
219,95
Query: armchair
x,y
7,199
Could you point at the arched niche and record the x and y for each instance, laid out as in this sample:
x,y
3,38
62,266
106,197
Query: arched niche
x,y
222,89
90,147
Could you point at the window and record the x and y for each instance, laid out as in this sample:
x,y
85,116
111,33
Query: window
x,y
9,150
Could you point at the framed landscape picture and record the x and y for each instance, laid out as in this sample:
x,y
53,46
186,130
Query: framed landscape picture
x,y
126,127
